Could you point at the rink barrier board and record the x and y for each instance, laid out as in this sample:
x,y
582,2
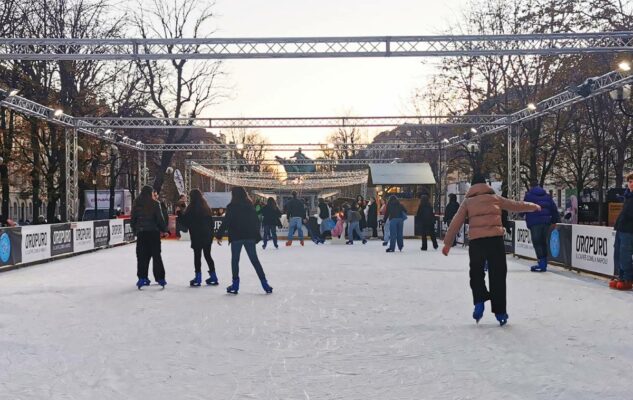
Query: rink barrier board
x,y
36,244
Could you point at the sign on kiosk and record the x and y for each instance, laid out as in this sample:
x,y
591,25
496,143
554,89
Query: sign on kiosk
x,y
36,244
592,248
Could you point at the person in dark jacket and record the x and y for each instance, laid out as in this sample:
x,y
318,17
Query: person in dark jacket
x,y
539,223
451,210
147,222
353,225
425,219
372,218
395,213
271,220
296,213
623,254
242,224
198,219
181,205
362,205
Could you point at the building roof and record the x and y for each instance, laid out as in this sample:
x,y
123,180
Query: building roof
x,y
401,174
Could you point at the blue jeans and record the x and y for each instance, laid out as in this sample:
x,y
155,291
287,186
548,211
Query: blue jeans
x,y
354,227
539,239
236,249
270,232
386,235
396,233
295,224
622,256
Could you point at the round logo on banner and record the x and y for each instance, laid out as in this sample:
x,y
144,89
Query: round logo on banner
x,y
554,243
5,247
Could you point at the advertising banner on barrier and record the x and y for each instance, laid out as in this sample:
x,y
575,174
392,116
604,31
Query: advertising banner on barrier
x,y
128,234
101,233
116,231
559,244
36,244
10,246
592,248
61,239
523,240
83,236
508,238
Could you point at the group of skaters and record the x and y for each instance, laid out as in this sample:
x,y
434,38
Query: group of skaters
x,y
241,223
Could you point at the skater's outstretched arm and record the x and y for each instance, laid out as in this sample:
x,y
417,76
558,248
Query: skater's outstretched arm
x,y
518,206
456,224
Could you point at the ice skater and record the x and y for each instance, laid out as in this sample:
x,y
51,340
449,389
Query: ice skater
x,y
353,224
539,223
623,251
148,222
296,214
396,214
483,208
271,219
242,224
425,219
198,219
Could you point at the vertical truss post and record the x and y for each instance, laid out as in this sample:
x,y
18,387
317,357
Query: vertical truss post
x,y
139,171
143,177
187,177
72,189
514,162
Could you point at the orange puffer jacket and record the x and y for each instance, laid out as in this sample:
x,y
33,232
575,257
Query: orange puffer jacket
x,y
483,208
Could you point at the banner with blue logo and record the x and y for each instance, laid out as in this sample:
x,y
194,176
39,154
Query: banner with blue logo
x,y
559,244
10,246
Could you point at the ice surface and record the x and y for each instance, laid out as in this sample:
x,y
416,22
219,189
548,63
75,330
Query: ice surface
x,y
344,323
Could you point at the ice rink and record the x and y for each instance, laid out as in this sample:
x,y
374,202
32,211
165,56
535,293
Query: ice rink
x,y
344,322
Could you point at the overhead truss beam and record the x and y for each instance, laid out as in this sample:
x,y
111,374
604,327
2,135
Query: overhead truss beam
x,y
314,47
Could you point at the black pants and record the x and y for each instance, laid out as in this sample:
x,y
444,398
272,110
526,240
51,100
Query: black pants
x,y
236,249
197,258
493,250
433,239
539,239
148,247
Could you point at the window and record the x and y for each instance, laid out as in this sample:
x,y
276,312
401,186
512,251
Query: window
x,y
15,210
22,211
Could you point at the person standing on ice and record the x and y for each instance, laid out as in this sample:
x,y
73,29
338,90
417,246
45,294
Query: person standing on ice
x,y
425,218
539,223
296,213
198,219
271,220
450,211
483,208
242,224
147,222
353,224
396,214
623,251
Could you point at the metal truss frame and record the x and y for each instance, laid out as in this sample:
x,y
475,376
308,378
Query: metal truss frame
x,y
314,47
72,182
358,147
348,161
415,121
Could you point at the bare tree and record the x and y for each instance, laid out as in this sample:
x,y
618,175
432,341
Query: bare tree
x,y
178,88
252,149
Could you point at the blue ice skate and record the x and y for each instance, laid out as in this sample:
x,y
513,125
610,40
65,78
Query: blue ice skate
x,y
478,312
162,282
143,282
502,318
267,288
235,287
212,279
197,280
541,266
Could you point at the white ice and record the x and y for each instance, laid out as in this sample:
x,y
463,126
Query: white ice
x,y
343,323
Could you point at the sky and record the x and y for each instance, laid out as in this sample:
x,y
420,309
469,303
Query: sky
x,y
326,87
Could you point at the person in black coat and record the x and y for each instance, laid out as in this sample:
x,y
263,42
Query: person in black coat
x,y
362,205
271,219
198,219
372,217
147,222
395,213
242,224
451,210
425,219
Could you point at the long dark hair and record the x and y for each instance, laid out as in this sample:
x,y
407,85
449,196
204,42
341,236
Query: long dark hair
x,y
198,205
424,200
240,197
272,203
144,201
392,200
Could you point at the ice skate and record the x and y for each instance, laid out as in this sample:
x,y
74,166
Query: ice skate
x,y
624,285
502,318
541,266
267,288
143,282
212,280
162,282
235,287
197,280
478,312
